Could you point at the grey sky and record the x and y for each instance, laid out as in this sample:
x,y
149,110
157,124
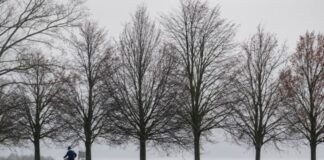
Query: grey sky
x,y
286,18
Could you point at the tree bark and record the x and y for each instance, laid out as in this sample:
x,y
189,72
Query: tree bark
x,y
37,149
142,149
258,152
197,146
313,151
88,149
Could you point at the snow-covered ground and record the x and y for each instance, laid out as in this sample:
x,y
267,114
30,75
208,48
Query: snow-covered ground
x,y
190,159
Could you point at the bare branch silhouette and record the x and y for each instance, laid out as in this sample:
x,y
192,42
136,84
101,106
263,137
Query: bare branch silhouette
x,y
202,41
257,118
143,94
303,85
83,103
40,85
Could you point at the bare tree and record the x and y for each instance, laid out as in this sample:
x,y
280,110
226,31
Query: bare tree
x,y
83,104
257,103
9,107
40,85
202,40
141,88
26,22
303,84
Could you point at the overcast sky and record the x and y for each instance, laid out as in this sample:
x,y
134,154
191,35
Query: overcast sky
x,y
286,18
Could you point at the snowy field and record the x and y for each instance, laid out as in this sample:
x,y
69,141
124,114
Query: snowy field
x,y
202,159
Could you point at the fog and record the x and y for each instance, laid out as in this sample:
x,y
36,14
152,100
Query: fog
x,y
286,18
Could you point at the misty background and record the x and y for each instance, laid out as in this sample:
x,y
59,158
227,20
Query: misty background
x,y
286,18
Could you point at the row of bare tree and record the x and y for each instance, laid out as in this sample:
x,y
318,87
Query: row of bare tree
x,y
168,87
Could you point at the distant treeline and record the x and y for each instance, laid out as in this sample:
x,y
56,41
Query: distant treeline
x,y
23,157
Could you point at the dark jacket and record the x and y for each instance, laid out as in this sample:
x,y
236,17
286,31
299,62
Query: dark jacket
x,y
71,155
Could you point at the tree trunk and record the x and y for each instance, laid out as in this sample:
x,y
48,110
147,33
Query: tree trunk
x,y
142,149
88,149
37,149
313,151
258,152
197,146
